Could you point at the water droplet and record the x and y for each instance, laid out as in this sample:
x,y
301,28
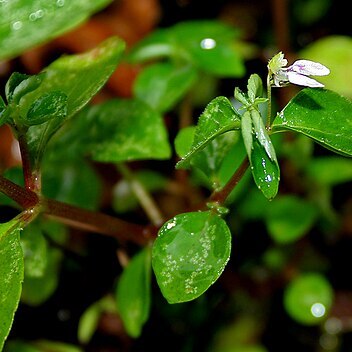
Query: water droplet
x,y
17,25
60,3
268,178
208,43
318,310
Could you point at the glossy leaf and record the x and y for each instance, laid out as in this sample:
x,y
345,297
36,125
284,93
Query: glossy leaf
x,y
79,77
49,106
189,254
218,117
124,130
261,154
133,292
162,85
26,23
20,84
11,275
322,115
308,298
184,140
288,218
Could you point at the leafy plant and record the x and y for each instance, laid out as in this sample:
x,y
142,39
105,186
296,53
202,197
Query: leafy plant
x,y
57,131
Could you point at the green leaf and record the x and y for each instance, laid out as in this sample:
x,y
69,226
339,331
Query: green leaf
x,y
334,52
218,117
20,84
210,46
255,87
189,254
124,130
133,292
261,154
35,250
88,322
162,85
26,23
55,346
48,106
184,139
11,275
19,346
320,114
288,218
331,170
308,298
79,77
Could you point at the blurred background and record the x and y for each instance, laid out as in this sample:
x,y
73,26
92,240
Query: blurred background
x,y
244,310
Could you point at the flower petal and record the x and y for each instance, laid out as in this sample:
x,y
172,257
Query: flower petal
x,y
302,80
309,68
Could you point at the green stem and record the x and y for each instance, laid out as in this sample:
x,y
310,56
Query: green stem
x,y
268,119
143,196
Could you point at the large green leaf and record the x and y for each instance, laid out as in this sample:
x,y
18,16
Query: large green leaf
x,y
79,77
124,130
162,85
218,117
11,275
322,115
25,23
189,254
133,292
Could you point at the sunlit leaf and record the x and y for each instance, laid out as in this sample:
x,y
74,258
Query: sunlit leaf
x,y
26,23
322,115
218,117
189,254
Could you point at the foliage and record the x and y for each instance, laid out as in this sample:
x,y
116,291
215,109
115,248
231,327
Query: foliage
x,y
63,140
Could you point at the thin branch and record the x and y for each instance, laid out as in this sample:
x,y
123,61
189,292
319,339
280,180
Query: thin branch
x,y
98,222
23,197
221,195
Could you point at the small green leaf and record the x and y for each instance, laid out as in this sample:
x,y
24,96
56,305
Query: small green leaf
x,y
241,97
189,254
20,84
88,322
288,218
79,77
48,106
218,117
320,114
255,87
184,139
308,298
11,275
26,23
133,292
124,130
55,346
261,154
162,85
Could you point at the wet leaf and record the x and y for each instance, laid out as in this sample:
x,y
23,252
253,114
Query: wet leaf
x,y
11,275
189,254
218,117
26,23
322,115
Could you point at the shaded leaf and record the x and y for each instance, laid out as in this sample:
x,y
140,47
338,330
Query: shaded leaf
x,y
162,85
11,275
26,23
133,292
320,114
189,254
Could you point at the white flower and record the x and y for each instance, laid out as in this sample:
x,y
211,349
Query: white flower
x,y
296,73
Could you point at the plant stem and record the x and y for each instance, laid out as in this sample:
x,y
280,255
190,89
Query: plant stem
x,y
221,195
23,197
268,85
98,222
147,202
